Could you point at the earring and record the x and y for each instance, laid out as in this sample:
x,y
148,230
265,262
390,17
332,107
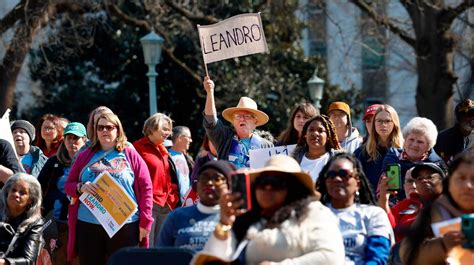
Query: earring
x,y
357,197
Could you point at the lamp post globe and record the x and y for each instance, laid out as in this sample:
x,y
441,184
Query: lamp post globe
x,y
316,87
152,44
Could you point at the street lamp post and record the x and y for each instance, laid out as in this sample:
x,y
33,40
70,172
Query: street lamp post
x,y
151,44
316,87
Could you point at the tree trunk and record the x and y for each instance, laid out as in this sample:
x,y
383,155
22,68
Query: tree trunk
x,y
36,13
436,78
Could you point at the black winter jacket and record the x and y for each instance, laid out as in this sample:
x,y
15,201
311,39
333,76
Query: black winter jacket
x,y
27,246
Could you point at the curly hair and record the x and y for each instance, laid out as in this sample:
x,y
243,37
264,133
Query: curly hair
x,y
366,195
296,201
424,126
290,134
332,140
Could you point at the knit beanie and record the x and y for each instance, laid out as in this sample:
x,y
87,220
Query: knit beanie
x,y
25,125
222,166
342,106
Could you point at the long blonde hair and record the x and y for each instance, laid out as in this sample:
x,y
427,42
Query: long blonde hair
x,y
121,141
395,138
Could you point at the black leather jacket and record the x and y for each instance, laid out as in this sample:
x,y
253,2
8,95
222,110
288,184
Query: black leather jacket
x,y
26,248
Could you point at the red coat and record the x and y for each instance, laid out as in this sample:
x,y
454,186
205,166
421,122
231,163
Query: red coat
x,y
403,214
165,184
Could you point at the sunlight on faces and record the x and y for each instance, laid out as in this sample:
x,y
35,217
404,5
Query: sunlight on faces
x,y
339,189
48,131
161,134
185,140
316,135
461,187
21,137
299,121
19,197
244,123
428,183
207,185
383,124
339,118
106,138
416,145
409,184
73,143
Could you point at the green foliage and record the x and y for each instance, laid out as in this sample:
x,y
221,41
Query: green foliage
x,y
108,68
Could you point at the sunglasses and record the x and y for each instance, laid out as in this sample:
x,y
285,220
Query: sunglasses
x,y
276,182
343,173
108,128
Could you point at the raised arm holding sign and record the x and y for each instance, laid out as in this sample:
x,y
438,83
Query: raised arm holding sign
x,y
236,36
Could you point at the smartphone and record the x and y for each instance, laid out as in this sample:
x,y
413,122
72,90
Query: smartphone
x,y
467,228
394,177
241,183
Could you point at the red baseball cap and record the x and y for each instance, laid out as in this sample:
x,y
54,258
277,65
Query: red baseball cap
x,y
371,110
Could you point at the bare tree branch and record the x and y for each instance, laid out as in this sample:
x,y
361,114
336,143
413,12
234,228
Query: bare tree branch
x,y
198,19
451,13
141,23
12,17
384,21
145,25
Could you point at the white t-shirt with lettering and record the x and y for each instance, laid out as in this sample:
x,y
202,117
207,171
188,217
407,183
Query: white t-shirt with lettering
x,y
357,223
314,167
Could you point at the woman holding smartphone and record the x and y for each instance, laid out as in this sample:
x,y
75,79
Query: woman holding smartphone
x,y
421,246
384,133
287,223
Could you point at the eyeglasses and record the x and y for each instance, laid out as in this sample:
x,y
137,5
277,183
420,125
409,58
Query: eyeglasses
x,y
48,129
214,179
431,177
343,173
276,182
238,116
380,121
108,128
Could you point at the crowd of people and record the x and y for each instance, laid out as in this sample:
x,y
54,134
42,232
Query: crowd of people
x,y
331,201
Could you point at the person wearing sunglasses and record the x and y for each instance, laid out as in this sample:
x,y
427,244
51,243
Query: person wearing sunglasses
x,y
422,244
365,227
190,227
316,145
286,224
109,152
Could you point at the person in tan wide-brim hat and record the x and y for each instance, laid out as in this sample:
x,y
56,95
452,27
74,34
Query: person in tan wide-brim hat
x,y
249,105
287,165
286,222
233,144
